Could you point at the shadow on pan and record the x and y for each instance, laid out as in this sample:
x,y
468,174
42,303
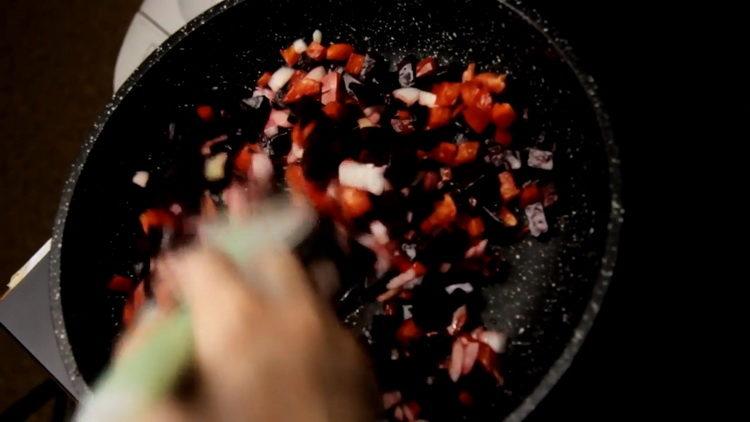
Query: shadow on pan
x,y
554,288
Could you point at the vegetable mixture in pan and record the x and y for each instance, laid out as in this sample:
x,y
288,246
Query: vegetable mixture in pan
x,y
416,167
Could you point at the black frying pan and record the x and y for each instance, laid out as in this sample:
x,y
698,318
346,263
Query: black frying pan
x,y
555,286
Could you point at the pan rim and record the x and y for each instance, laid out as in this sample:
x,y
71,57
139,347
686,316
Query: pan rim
x,y
609,256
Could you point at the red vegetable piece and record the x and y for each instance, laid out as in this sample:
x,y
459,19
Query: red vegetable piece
x,y
302,88
503,115
474,95
439,117
408,332
339,52
301,134
242,160
355,64
469,72
316,51
354,202
443,215
205,112
297,182
446,93
426,66
156,218
467,152
529,195
290,56
477,120
507,217
445,153
493,82
334,110
503,137
120,284
331,88
263,79
475,227
508,188
296,76
430,181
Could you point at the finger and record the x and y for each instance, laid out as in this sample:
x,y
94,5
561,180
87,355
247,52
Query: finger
x,y
279,274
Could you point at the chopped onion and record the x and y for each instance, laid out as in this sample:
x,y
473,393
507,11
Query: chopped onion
x,y
299,46
280,77
317,36
365,122
408,96
380,231
296,154
458,320
140,178
467,287
401,279
540,159
316,74
261,168
213,168
537,220
495,339
362,176
427,99
512,159
407,311
275,119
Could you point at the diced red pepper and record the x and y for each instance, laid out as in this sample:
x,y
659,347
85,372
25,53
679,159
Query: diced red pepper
x,y
443,215
264,78
408,332
303,88
339,52
300,133
503,137
205,112
493,82
507,217
469,72
296,76
529,195
331,88
477,119
508,188
426,66
121,284
474,95
445,153
316,51
354,202
503,115
439,117
156,218
446,93
242,160
475,227
334,110
355,64
467,152
290,56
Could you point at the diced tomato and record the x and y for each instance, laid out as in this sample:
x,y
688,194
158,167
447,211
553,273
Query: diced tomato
x,y
301,134
493,82
445,153
477,120
443,215
446,93
263,80
334,110
354,202
205,112
439,117
121,284
316,51
339,52
469,72
507,217
296,76
426,66
331,88
408,332
355,64
302,88
474,95
503,115
242,160
508,188
529,195
156,218
467,152
503,137
475,227
290,56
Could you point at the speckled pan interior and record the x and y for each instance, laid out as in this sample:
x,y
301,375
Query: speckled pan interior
x,y
555,286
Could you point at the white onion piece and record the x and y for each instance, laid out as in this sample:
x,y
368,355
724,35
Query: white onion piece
x,y
317,36
540,159
467,287
365,122
495,339
402,279
296,154
213,168
362,176
280,118
408,96
512,158
414,283
140,178
280,77
264,92
380,231
316,74
427,99
407,311
537,220
299,46
261,168
458,320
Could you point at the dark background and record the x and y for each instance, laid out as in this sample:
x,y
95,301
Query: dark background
x,y
56,67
